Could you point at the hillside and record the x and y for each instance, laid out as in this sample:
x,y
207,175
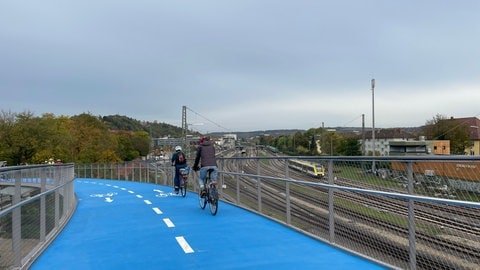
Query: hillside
x,y
155,129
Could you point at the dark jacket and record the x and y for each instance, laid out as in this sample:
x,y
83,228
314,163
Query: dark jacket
x,y
175,160
205,153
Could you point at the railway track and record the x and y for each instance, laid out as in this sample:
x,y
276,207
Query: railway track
x,y
274,200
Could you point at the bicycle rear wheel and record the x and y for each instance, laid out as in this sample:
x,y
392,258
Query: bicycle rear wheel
x,y
202,200
213,201
183,188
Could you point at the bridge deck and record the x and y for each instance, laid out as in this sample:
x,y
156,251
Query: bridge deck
x,y
127,225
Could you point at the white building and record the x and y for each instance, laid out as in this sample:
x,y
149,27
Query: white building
x,y
383,137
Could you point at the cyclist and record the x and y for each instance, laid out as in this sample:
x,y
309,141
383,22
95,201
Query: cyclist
x,y
206,157
179,161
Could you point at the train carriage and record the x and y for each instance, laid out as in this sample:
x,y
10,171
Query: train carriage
x,y
310,168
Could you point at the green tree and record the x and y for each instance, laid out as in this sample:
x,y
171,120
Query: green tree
x,y
92,140
349,147
7,122
125,148
141,142
443,128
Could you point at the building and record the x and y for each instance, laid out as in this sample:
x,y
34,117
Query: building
x,y
408,148
383,137
473,126
419,147
439,147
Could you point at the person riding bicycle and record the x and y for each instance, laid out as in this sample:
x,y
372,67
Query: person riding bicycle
x,y
206,157
179,161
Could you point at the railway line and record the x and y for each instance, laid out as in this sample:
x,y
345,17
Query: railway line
x,y
352,227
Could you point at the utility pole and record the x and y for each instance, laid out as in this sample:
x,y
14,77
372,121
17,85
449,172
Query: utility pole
x,y
373,124
363,134
184,128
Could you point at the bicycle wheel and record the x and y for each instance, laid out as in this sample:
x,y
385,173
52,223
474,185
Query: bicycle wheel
x,y
213,200
202,200
183,188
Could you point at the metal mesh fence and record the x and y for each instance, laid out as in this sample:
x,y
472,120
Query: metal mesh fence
x,y
411,214
421,213
36,202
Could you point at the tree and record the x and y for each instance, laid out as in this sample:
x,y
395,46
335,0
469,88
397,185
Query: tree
x,y
442,128
92,140
349,147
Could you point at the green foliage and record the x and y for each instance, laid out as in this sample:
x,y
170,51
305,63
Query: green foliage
x,y
349,147
154,129
315,141
84,138
442,128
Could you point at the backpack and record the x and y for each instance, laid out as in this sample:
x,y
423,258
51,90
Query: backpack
x,y
181,158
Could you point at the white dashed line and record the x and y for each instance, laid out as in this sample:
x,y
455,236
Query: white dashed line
x,y
168,222
147,201
139,196
131,192
157,210
115,186
184,245
123,188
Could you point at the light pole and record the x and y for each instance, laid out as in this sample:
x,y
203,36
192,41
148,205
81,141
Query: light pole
x,y
373,124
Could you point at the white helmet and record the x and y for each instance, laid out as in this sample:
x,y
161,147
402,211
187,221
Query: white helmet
x,y
178,148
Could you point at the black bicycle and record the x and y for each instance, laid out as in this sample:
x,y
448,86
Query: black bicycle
x,y
209,194
184,180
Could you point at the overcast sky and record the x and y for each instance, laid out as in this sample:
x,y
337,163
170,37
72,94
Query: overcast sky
x,y
243,65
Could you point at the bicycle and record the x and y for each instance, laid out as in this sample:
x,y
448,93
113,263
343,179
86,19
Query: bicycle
x,y
184,180
210,194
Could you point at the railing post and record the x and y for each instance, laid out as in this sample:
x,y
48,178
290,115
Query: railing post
x,y
287,193
156,173
331,212
222,177
98,170
259,189
147,172
43,214
17,221
411,220
166,172
126,173
237,181
57,208
140,172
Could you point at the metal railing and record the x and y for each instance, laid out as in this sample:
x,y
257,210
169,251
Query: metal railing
x,y
36,202
408,213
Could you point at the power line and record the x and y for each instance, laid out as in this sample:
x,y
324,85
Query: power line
x,y
344,125
205,118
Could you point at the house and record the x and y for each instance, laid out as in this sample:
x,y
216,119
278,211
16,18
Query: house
x,y
383,137
473,126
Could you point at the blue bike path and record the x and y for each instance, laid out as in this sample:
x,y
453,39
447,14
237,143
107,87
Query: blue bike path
x,y
128,225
